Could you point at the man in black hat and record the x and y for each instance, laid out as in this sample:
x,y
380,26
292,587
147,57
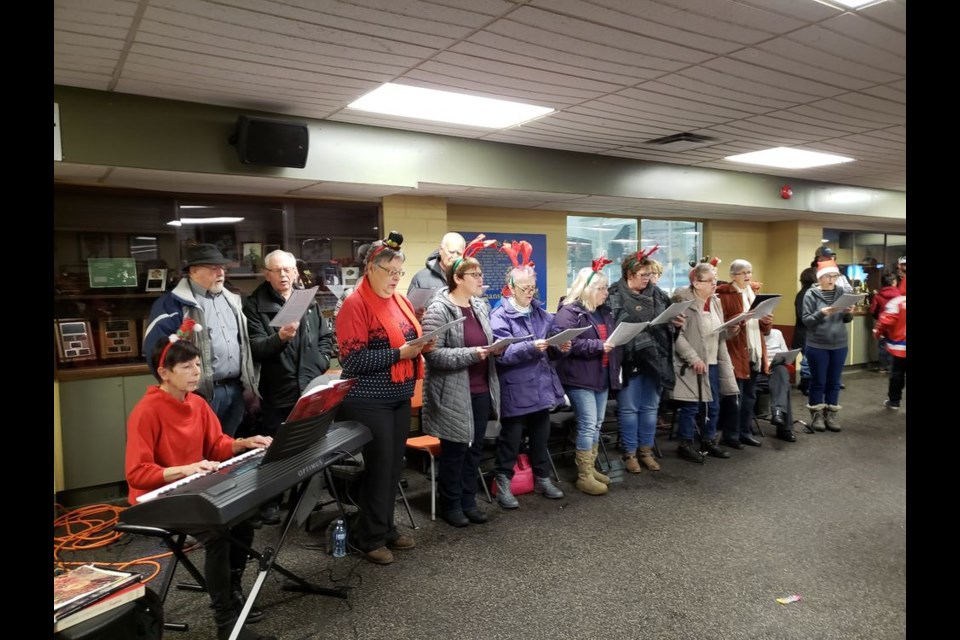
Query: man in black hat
x,y
224,343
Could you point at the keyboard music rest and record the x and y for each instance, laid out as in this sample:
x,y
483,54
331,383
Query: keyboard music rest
x,y
227,496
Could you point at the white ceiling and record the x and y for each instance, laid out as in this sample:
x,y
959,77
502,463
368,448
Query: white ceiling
x,y
751,73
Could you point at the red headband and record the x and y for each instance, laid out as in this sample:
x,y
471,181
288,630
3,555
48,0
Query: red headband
x,y
519,253
643,254
187,328
476,245
392,241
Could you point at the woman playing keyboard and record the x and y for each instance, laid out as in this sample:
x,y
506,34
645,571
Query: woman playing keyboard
x,y
173,433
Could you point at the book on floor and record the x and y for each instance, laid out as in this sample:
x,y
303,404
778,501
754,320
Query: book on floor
x,y
112,601
85,585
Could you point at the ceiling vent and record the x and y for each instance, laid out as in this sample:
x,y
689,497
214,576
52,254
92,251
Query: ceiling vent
x,y
681,142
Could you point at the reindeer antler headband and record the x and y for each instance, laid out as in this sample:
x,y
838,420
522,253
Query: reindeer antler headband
x,y
519,254
640,255
187,328
475,246
597,266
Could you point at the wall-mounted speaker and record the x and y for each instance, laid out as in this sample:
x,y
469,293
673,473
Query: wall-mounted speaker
x,y
271,142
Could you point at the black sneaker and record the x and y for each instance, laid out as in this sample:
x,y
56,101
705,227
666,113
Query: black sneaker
x,y
890,404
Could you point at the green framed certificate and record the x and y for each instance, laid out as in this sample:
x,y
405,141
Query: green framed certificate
x,y
112,272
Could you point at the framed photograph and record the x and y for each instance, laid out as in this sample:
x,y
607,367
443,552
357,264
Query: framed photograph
x,y
252,255
94,245
223,236
156,280
315,250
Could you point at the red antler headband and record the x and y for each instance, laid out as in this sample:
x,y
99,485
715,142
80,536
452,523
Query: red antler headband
x,y
187,328
519,253
475,246
597,266
643,254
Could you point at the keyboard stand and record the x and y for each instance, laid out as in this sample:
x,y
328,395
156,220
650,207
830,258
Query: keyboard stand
x,y
176,546
267,562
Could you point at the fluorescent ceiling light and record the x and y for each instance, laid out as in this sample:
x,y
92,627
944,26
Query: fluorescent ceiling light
x,y
857,4
223,220
445,106
788,158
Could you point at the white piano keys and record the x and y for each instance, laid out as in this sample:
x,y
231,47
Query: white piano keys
x,y
246,455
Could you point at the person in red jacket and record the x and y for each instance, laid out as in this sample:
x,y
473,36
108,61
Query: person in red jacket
x,y
173,433
888,291
893,325
902,266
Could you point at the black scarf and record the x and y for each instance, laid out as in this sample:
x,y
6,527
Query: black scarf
x,y
652,350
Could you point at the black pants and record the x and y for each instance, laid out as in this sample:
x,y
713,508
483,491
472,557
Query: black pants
x,y
221,559
458,461
511,436
389,424
898,378
778,384
748,400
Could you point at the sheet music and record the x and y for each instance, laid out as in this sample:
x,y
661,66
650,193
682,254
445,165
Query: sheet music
x,y
765,307
785,357
672,312
427,337
564,336
504,342
295,306
420,298
737,319
625,332
848,300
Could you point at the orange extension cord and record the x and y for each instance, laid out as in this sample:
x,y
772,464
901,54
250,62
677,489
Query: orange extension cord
x,y
91,527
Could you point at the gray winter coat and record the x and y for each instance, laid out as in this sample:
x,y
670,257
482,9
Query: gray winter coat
x,y
447,409
691,346
823,332
431,276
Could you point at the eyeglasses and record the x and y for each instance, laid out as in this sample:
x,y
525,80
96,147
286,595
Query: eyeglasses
x,y
474,274
287,270
648,274
525,289
831,276
452,252
744,273
393,273
710,282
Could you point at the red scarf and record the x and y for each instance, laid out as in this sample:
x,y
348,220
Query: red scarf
x,y
401,370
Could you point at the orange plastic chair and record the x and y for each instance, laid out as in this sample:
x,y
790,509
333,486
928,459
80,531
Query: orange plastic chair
x,y
431,446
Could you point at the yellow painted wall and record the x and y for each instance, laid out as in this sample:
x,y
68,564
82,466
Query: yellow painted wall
x,y
422,221
506,221
57,441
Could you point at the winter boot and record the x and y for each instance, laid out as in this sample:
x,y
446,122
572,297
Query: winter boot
x,y
645,454
585,480
713,449
631,461
816,417
546,488
599,477
505,497
830,417
688,451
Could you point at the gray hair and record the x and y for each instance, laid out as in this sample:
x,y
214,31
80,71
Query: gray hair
x,y
702,268
739,265
278,253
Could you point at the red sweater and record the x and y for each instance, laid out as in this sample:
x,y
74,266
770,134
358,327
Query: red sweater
x,y
893,326
164,432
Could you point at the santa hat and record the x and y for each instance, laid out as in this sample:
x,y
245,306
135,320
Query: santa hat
x,y
827,267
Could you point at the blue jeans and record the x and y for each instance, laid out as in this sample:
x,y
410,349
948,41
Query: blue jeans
x,y
687,412
804,363
637,407
228,404
826,365
884,359
590,407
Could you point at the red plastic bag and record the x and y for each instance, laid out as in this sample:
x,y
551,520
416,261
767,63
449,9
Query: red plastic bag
x,y
522,481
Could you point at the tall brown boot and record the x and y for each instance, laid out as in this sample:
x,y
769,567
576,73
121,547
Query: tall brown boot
x,y
585,480
647,458
630,459
599,477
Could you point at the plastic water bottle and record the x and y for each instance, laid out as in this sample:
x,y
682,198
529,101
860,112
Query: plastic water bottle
x,y
339,539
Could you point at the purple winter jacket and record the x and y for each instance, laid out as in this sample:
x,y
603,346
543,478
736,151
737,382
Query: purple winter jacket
x,y
582,367
528,381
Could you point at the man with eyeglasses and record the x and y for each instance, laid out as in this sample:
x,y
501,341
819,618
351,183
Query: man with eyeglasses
x,y
438,263
227,366
289,356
